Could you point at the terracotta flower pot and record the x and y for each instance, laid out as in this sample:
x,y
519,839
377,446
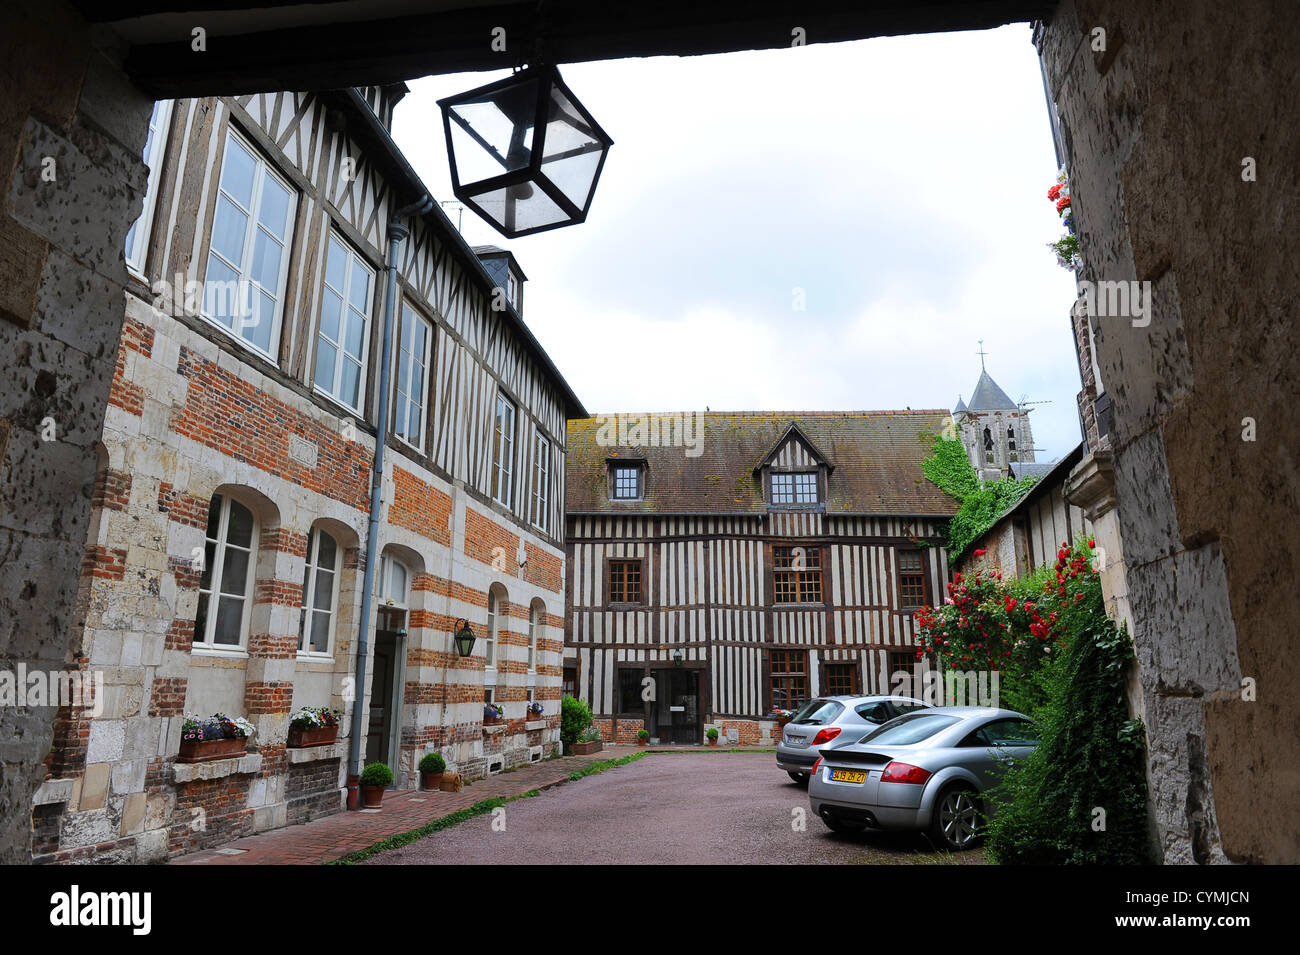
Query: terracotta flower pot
x,y
431,782
312,736
713,742
372,796
586,749
641,742
202,750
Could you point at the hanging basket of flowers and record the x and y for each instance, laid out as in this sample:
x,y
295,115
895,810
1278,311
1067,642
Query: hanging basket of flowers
x,y
1067,246
213,737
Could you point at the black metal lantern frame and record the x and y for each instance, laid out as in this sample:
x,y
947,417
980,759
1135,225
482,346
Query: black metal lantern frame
x,y
464,639
550,161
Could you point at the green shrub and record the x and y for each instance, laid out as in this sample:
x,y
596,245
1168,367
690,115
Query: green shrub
x,y
1091,755
432,763
712,734
376,774
575,716
643,734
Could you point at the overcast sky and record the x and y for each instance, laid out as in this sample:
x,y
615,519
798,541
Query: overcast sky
x,y
898,182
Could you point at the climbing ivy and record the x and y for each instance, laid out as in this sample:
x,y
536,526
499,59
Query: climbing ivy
x,y
949,469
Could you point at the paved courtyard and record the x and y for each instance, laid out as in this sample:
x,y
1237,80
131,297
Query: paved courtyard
x,y
696,807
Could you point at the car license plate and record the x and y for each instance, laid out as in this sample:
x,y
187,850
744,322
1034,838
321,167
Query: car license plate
x,y
847,776
795,740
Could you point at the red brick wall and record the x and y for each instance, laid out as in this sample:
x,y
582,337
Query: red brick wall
x,y
543,569
483,535
420,507
224,813
136,337
181,507
112,489
224,412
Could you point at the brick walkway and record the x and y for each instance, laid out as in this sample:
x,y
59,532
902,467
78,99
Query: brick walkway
x,y
334,836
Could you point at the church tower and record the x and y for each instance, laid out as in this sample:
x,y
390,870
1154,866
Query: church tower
x,y
994,431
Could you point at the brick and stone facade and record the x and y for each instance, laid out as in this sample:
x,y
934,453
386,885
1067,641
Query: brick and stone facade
x,y
194,419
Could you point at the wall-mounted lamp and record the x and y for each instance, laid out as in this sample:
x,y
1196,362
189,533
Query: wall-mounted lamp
x,y
464,639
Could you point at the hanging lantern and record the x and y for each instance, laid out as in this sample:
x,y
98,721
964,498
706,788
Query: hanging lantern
x,y
525,154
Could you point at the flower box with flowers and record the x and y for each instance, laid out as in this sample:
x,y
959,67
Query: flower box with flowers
x,y
313,726
213,737
493,714
534,715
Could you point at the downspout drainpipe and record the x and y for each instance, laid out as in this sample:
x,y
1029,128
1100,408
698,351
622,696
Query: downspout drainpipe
x,y
396,233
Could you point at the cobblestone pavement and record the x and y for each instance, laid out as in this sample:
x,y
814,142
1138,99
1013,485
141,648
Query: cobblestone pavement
x,y
729,808
334,836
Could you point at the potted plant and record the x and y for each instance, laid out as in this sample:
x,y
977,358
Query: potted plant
x,y
575,716
213,737
535,710
782,716
493,714
642,737
712,734
313,726
432,766
588,742
375,778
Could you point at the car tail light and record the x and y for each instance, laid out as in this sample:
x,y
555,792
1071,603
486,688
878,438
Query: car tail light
x,y
904,773
817,765
826,735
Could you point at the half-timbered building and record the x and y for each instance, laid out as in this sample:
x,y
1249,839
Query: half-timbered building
x,y
226,560
724,566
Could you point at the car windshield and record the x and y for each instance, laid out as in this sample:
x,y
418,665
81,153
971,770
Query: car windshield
x,y
818,712
910,729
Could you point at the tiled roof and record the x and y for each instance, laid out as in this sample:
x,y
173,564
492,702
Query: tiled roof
x,y
876,456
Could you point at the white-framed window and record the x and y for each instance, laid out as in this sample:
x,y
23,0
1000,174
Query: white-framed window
x,y
541,481
394,581
320,592
625,480
490,636
343,333
798,487
226,584
248,252
137,239
534,630
413,351
503,450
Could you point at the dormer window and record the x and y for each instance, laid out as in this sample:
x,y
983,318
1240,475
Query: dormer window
x,y
626,481
794,487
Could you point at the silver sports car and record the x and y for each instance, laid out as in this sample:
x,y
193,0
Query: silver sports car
x,y
927,770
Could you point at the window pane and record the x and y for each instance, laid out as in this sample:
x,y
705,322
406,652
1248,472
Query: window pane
x,y
327,552
259,332
234,572
356,333
237,172
240,529
274,212
266,261
218,301
320,632
323,598
336,264
326,356
350,390
230,618
228,230
359,292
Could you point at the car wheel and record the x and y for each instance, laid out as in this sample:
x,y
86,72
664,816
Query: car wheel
x,y
957,816
839,825
800,778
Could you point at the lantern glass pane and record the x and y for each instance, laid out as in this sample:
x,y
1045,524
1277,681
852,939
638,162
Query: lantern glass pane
x,y
571,150
494,134
516,208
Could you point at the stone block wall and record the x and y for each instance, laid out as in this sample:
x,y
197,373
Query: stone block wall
x,y
1181,149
